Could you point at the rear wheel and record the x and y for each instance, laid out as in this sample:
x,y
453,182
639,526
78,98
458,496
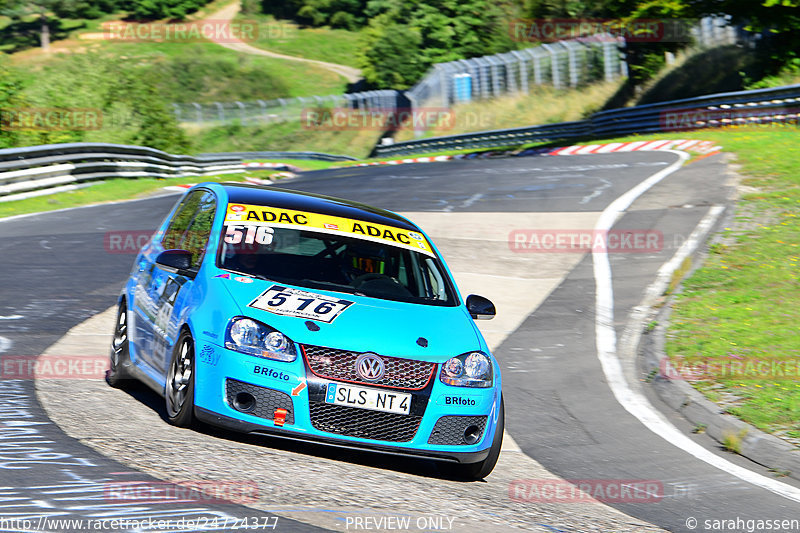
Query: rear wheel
x,y
117,375
179,389
483,468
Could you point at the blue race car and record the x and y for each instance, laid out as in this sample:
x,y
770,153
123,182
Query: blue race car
x,y
312,318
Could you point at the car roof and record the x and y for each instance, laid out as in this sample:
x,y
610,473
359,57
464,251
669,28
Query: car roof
x,y
315,203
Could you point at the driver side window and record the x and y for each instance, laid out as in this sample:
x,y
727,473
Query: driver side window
x,y
190,227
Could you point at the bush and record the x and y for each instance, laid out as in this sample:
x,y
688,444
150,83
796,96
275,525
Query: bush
x,y
163,9
390,54
132,107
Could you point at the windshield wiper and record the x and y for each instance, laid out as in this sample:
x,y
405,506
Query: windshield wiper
x,y
332,286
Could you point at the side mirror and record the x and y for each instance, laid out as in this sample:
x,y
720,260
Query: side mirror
x,y
176,261
480,308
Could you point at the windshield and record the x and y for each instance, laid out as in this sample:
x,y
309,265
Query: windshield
x,y
318,260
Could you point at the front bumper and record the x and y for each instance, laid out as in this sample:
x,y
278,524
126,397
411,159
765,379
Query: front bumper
x,y
294,389
215,419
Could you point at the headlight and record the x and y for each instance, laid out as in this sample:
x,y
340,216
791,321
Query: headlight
x,y
245,335
472,369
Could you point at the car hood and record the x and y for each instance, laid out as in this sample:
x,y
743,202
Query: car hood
x,y
369,324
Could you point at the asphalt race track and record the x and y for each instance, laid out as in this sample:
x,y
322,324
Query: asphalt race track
x,y
560,408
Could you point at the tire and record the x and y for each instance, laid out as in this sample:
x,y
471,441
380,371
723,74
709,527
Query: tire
x,y
483,468
179,388
118,376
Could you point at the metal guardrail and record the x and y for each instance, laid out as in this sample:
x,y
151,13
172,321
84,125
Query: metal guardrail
x,y
306,156
780,104
37,170
489,139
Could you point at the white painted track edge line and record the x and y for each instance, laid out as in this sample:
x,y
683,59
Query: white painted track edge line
x,y
633,401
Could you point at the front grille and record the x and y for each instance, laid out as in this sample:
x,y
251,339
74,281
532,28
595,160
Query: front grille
x,y
363,423
266,400
340,365
449,430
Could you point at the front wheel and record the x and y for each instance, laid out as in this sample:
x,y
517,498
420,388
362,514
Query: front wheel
x,y
179,388
117,374
483,468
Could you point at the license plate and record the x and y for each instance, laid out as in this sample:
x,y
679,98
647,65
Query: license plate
x,y
375,399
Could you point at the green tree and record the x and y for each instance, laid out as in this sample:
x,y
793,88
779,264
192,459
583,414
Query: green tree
x,y
390,54
347,14
777,20
42,17
160,9
150,122
447,30
42,10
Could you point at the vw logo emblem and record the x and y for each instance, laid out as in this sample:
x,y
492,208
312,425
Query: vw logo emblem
x,y
370,367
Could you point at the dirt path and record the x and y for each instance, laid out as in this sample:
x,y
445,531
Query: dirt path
x,y
229,12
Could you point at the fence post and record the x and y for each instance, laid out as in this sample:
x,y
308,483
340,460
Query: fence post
x,y
509,60
413,104
495,74
608,51
537,65
572,62
523,71
443,80
554,67
199,112
263,113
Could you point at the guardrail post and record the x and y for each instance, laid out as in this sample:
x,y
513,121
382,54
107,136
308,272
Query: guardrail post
x,y
220,112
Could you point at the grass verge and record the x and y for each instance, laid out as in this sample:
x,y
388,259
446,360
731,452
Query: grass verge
x,y
305,164
282,136
112,190
287,37
739,312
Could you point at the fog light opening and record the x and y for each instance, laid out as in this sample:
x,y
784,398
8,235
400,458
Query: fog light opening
x,y
472,434
244,401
